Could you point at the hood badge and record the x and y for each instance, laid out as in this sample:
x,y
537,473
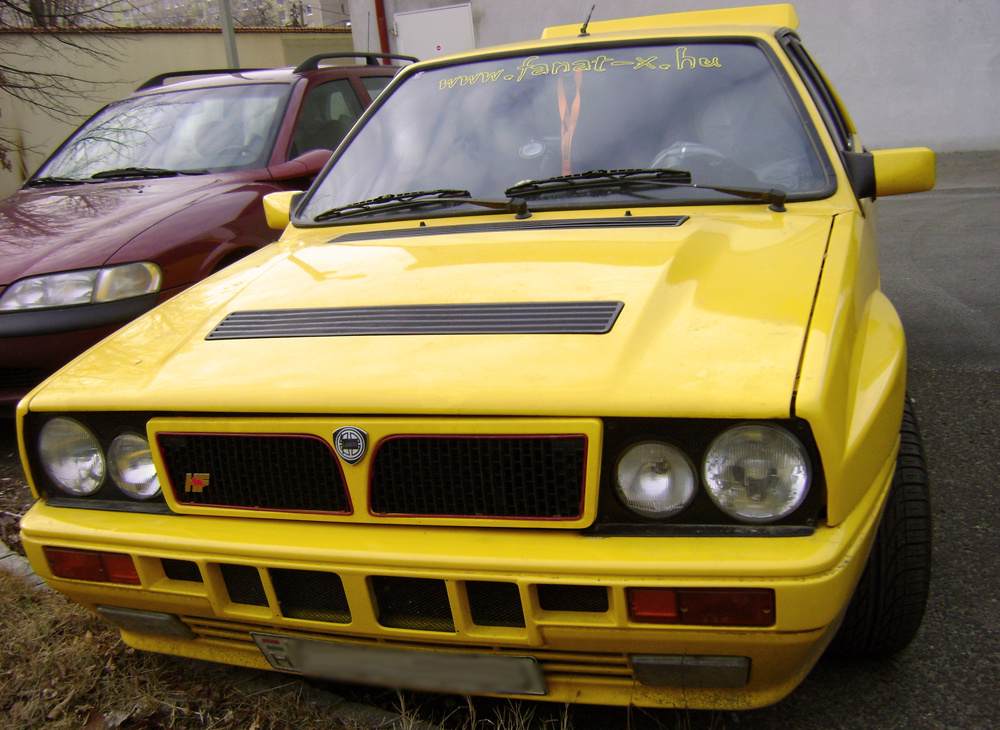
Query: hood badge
x,y
350,443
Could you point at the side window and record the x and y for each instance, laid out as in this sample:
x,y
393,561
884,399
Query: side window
x,y
375,84
826,99
328,112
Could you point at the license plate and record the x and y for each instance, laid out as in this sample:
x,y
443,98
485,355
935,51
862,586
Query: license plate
x,y
436,671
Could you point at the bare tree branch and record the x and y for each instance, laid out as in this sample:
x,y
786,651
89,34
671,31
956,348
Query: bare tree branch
x,y
59,29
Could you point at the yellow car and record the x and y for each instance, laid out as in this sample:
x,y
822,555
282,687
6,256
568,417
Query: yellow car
x,y
570,379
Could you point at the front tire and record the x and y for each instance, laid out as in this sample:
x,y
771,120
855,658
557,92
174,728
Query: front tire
x,y
888,604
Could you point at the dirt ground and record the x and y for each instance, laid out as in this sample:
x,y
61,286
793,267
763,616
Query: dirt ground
x,y
15,497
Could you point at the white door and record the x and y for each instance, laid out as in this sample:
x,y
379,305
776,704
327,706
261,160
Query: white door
x,y
435,32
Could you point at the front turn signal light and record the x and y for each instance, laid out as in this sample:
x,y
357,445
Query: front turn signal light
x,y
702,606
92,565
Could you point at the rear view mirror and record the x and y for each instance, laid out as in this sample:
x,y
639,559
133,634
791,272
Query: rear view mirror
x,y
278,207
909,170
305,165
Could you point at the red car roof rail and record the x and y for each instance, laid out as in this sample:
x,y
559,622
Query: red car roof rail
x,y
161,78
372,59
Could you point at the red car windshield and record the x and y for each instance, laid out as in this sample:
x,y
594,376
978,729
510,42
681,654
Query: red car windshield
x,y
194,130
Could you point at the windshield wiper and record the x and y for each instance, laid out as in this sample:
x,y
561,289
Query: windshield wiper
x,y
418,198
599,179
774,197
40,182
127,172
624,179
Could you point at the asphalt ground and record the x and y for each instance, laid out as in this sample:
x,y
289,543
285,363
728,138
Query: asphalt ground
x,y
940,256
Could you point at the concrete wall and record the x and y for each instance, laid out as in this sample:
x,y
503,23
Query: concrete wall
x,y
124,61
911,72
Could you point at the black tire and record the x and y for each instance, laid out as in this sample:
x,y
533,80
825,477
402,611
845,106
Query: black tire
x,y
888,604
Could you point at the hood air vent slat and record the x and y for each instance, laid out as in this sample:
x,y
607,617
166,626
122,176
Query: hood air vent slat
x,y
593,318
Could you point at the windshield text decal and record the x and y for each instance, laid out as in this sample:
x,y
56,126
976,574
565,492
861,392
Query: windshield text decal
x,y
532,66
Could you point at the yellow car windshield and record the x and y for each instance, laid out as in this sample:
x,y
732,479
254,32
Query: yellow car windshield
x,y
718,111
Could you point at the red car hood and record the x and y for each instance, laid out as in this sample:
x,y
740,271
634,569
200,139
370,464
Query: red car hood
x,y
45,230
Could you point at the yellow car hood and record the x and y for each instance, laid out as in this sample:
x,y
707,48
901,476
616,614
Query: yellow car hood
x,y
713,323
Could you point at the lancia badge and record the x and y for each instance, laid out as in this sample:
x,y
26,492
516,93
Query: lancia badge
x,y
350,443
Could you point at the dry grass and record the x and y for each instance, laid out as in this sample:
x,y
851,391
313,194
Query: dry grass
x,y
63,667
15,497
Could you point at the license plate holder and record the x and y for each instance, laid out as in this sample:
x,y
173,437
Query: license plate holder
x,y
435,671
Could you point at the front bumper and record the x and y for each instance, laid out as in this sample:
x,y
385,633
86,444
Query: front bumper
x,y
229,579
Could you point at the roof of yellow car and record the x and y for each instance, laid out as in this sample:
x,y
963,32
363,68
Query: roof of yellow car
x,y
778,16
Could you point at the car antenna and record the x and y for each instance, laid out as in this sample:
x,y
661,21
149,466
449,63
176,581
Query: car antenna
x,y
583,28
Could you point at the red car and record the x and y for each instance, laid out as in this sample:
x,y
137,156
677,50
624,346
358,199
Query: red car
x,y
156,192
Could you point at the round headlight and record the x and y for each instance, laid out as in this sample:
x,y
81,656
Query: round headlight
x,y
132,468
71,456
655,479
757,473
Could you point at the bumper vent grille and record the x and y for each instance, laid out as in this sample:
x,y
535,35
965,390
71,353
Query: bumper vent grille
x,y
540,477
494,604
243,584
181,570
311,595
581,599
412,603
291,473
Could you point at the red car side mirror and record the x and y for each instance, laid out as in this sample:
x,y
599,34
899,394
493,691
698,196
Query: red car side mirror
x,y
305,165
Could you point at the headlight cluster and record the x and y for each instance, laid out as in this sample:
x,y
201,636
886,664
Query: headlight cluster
x,y
91,286
755,473
73,459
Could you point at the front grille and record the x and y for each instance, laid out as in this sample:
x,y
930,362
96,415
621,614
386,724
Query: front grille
x,y
293,473
539,477
412,603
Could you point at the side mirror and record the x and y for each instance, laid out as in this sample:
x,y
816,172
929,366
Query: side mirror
x,y
909,170
278,207
305,165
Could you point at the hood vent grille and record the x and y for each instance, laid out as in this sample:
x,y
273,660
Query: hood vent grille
x,y
593,318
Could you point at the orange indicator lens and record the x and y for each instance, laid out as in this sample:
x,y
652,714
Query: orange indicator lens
x,y
653,605
91,565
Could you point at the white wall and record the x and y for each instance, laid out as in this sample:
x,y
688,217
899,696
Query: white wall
x,y
911,72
